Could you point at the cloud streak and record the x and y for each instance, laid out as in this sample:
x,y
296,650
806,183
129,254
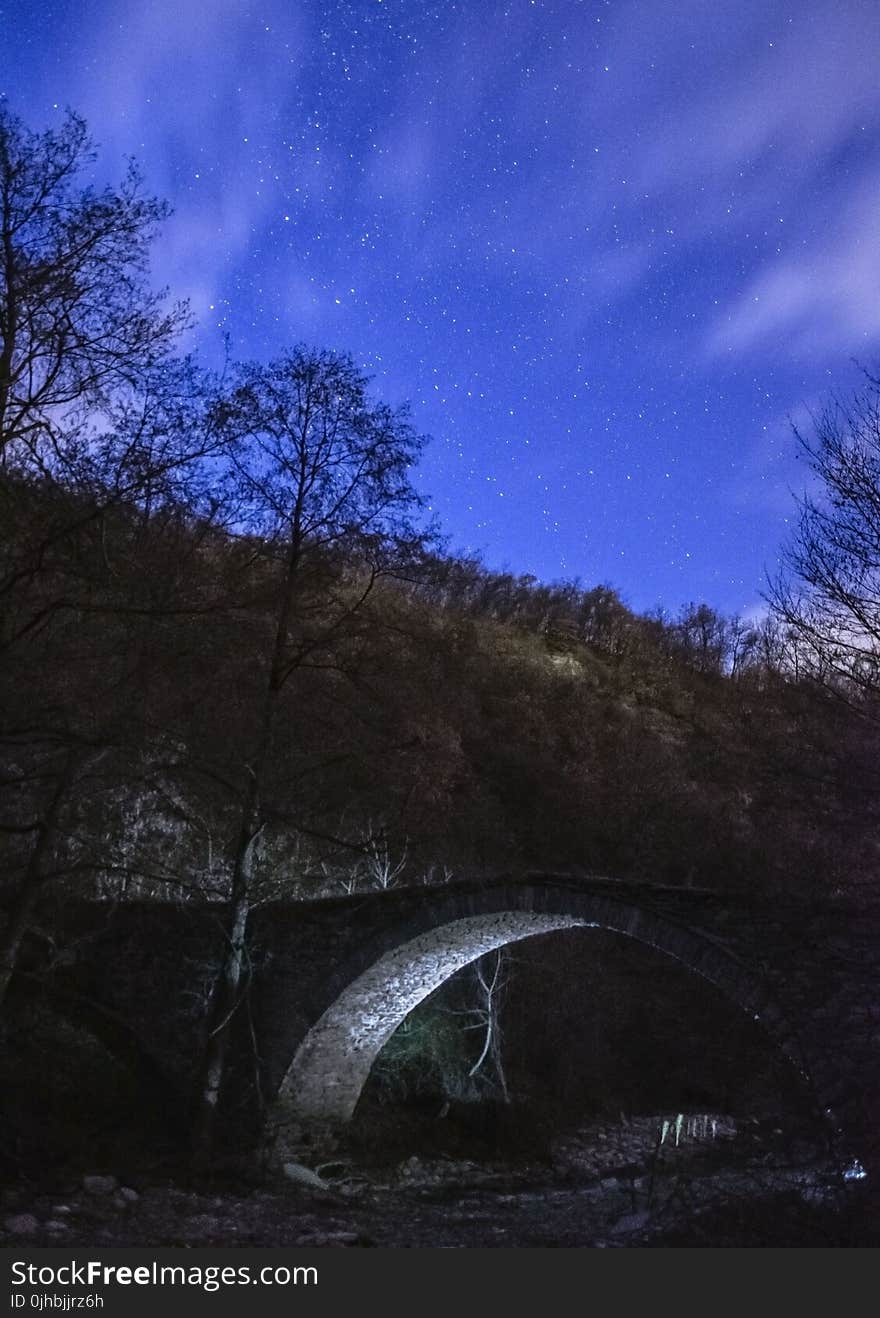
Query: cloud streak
x,y
195,92
818,300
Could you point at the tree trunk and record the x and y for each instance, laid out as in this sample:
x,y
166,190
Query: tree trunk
x,y
490,1020
227,994
25,901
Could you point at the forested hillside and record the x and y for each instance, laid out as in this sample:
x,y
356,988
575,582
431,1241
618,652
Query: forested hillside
x,y
439,719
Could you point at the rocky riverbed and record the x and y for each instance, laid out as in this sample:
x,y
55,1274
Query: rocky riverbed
x,y
680,1179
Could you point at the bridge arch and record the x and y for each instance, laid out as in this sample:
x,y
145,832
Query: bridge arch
x,y
330,1067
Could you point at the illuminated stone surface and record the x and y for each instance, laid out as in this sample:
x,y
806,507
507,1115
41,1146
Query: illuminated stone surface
x,y
333,1061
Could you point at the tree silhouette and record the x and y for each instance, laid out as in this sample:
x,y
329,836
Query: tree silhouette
x,y
77,317
828,596
323,479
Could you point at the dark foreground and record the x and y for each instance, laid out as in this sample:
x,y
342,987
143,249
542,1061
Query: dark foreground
x,y
608,1185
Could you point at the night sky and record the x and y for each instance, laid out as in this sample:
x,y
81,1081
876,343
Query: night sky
x,y
606,249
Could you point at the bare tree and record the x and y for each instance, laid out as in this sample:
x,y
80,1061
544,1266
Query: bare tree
x,y
101,429
828,596
488,974
380,865
77,317
323,475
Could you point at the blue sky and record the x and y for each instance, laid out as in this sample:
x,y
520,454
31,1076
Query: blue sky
x,y
606,249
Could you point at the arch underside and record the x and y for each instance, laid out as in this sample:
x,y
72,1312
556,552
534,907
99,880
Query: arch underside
x,y
331,1065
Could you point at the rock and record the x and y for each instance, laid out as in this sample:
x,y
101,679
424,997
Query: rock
x,y
337,1238
126,1196
202,1225
630,1222
22,1224
61,1210
295,1171
99,1184
56,1228
334,1170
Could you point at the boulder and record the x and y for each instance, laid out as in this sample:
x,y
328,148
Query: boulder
x,y
99,1184
295,1171
21,1224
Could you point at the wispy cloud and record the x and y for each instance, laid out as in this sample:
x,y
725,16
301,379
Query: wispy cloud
x,y
195,92
820,298
745,126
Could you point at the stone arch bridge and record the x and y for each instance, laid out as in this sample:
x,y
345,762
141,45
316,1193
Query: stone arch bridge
x,y
331,980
